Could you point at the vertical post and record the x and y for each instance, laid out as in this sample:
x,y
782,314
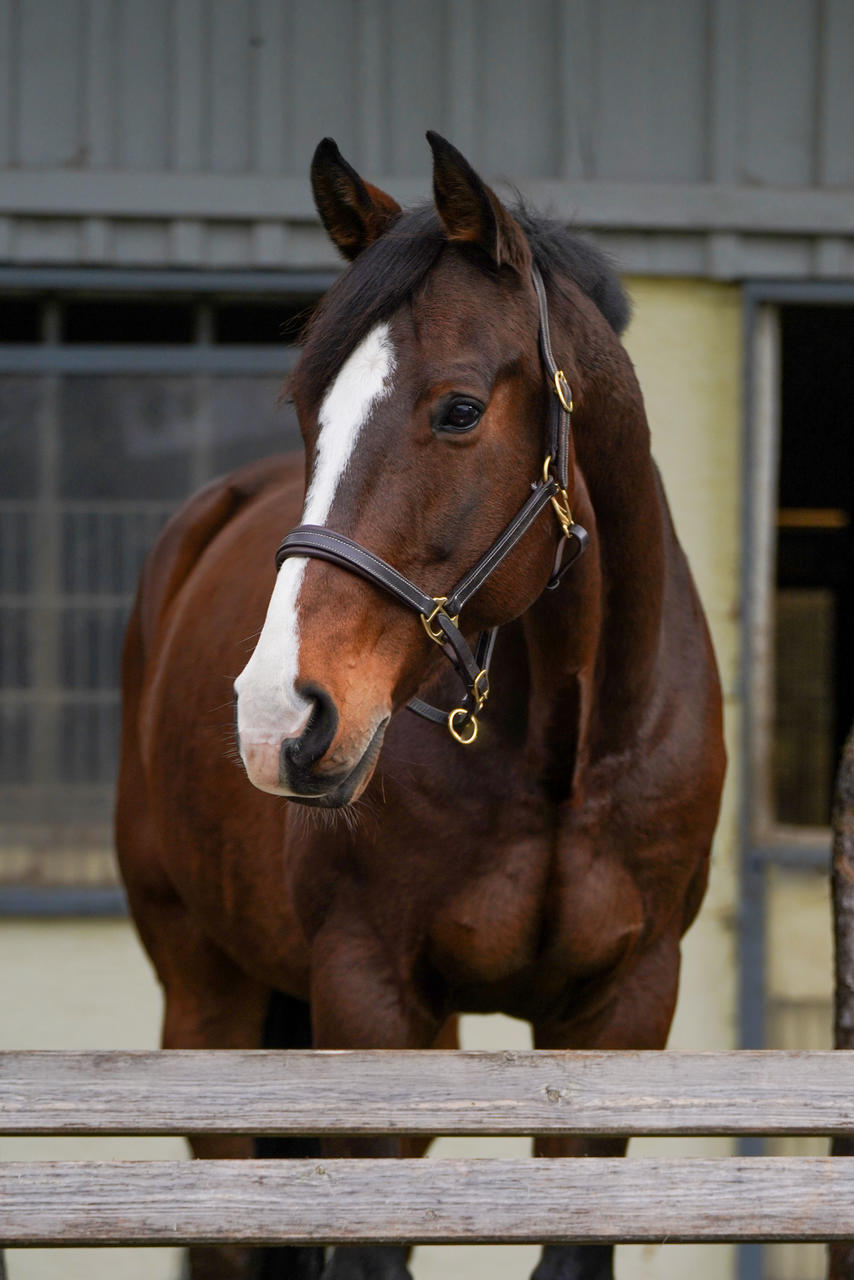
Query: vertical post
x,y
201,448
45,617
761,443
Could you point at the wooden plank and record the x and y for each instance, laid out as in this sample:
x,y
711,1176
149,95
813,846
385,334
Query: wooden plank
x,y
464,1093
436,1201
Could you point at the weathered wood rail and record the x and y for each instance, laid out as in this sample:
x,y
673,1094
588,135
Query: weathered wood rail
x,y
447,1201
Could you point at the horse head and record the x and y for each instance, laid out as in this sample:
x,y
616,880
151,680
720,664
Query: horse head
x,y
423,404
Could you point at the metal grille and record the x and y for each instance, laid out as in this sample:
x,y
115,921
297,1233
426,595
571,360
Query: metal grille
x,y
91,465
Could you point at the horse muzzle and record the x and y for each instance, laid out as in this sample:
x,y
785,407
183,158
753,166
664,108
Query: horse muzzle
x,y
313,768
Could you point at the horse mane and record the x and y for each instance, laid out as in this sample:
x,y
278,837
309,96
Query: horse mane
x,y
392,268
560,251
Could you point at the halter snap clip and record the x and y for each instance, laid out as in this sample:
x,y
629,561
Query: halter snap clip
x,y
559,500
428,620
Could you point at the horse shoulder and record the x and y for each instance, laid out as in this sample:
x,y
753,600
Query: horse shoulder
x,y
194,527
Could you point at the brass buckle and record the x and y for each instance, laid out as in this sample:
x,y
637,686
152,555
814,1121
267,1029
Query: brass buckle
x,y
562,390
455,733
559,500
427,620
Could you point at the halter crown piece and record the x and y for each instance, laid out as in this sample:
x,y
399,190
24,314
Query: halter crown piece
x,y
440,614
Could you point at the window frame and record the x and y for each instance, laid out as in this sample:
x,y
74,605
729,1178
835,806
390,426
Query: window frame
x,y
765,843
84,847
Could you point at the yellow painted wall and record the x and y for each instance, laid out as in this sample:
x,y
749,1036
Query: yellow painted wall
x,y
81,984
686,342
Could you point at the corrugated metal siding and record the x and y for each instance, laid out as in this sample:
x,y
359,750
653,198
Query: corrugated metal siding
x,y
747,93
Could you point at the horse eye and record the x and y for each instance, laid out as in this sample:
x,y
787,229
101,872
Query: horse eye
x,y
460,416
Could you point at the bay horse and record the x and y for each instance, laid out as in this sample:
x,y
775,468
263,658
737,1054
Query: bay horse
x,y
540,855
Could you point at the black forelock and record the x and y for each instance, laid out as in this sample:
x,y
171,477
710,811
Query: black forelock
x,y
392,268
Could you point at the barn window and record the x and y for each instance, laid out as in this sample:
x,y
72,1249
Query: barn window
x,y
814,625
112,410
799,499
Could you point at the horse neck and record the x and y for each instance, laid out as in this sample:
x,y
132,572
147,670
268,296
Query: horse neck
x,y
594,642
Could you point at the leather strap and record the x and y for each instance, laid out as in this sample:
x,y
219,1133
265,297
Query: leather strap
x,y
501,547
324,544
482,659
559,418
337,548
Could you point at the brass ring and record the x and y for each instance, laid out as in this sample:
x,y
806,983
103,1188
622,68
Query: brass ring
x,y
563,391
461,711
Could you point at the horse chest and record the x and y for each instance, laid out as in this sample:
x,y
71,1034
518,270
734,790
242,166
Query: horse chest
x,y
549,917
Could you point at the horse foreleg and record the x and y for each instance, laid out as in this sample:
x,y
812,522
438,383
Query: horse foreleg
x,y
210,1003
359,1003
638,1017
385,1262
841,1254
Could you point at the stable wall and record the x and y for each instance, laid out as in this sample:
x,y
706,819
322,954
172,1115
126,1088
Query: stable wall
x,y
76,984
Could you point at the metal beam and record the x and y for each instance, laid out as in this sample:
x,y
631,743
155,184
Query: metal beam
x,y
659,206
143,281
273,360
62,901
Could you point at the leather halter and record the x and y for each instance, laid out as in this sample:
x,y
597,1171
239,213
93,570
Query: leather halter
x,y
440,614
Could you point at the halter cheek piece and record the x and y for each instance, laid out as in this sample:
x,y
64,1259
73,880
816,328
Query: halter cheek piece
x,y
440,614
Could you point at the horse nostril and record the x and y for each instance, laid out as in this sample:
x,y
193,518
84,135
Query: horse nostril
x,y
316,738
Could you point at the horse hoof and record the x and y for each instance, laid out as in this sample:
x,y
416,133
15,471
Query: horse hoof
x,y
576,1262
367,1262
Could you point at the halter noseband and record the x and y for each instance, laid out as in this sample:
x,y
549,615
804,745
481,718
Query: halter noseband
x,y
440,614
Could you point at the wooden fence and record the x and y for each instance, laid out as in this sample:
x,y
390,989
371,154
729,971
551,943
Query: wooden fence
x,y
438,1201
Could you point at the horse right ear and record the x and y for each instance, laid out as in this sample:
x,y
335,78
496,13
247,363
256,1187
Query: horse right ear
x,y
354,213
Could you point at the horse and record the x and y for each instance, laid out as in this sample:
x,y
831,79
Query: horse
x,y
474,688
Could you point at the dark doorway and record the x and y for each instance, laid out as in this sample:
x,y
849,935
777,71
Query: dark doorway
x,y
814,633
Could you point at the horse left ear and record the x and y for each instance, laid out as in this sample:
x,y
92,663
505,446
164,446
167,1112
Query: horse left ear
x,y
471,211
354,212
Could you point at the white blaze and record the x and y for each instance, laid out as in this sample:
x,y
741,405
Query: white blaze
x,y
269,708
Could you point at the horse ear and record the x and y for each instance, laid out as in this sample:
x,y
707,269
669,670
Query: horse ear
x,y
354,213
471,211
